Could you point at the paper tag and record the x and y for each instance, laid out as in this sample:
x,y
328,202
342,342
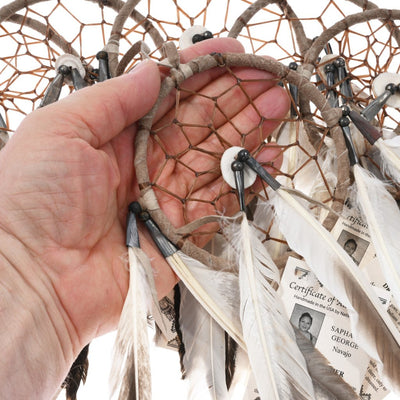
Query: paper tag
x,y
306,299
165,322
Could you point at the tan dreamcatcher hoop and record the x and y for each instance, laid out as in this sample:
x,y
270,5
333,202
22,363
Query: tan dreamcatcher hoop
x,y
229,61
367,39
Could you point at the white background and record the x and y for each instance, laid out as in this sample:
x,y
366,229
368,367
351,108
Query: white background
x,y
166,368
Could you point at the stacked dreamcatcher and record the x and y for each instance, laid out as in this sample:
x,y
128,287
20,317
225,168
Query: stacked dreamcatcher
x,y
333,157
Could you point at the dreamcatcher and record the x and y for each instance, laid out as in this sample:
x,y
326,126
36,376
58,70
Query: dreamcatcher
x,y
294,175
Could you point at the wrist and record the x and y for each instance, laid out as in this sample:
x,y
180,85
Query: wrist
x,y
38,340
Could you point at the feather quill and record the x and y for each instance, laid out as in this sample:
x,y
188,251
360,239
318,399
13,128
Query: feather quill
x,y
375,331
390,160
204,357
391,140
383,217
131,372
278,366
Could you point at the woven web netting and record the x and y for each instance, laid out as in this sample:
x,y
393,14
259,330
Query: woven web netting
x,y
34,34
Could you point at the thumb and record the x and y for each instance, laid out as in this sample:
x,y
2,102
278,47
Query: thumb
x,y
100,112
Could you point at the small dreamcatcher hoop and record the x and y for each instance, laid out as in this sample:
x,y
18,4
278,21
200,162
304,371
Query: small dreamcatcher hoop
x,y
228,62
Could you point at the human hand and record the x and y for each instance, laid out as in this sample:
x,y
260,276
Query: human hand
x,y
67,177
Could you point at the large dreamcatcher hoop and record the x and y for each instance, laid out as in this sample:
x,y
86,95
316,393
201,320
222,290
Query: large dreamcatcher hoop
x,y
331,72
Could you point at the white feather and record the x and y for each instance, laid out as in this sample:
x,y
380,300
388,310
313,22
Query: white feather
x,y
371,325
390,159
388,134
288,136
314,177
242,386
204,358
216,291
277,364
358,140
383,217
130,372
264,220
325,178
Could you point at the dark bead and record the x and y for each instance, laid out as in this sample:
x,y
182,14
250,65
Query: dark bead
x,y
344,121
345,111
243,155
237,166
339,63
329,68
64,69
207,35
391,87
135,207
293,65
144,216
197,38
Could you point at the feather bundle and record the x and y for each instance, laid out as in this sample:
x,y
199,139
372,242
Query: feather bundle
x,y
389,154
383,217
220,299
277,364
374,330
204,355
391,140
131,372
288,135
390,160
